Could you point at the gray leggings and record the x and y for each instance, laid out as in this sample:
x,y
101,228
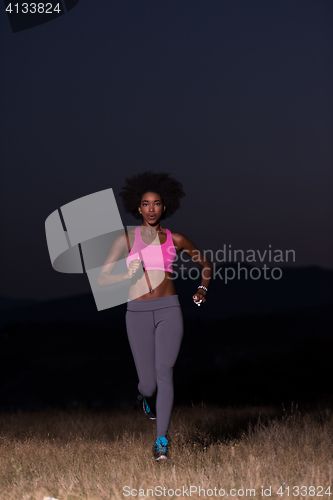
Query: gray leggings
x,y
155,332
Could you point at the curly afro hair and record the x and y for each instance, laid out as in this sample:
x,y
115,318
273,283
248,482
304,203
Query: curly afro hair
x,y
168,188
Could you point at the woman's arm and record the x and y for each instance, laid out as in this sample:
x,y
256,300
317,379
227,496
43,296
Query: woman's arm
x,y
118,248
187,246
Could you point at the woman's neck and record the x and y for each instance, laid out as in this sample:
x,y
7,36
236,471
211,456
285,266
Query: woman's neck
x,y
155,229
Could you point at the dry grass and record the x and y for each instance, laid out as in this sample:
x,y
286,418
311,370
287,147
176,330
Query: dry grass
x,y
94,454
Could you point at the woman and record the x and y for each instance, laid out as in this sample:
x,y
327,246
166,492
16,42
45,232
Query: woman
x,y
154,318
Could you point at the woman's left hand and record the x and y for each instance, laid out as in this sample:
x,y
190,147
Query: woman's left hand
x,y
199,297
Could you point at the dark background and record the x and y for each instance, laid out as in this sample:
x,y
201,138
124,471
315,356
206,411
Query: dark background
x,y
234,99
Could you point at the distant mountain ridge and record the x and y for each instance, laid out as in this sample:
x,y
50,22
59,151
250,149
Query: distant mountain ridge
x,y
298,288
10,303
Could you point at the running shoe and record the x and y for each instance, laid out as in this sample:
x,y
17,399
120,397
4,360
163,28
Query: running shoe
x,y
160,449
148,411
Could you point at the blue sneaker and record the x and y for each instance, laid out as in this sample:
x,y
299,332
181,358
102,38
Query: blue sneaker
x,y
148,411
160,449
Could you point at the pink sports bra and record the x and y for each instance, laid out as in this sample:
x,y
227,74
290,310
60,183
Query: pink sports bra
x,y
158,257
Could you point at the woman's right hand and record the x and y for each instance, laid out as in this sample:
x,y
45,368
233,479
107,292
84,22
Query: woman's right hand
x,y
133,267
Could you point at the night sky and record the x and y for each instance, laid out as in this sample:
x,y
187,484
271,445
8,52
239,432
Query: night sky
x,y
232,97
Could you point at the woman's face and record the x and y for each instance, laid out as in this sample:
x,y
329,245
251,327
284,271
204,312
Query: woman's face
x,y
151,207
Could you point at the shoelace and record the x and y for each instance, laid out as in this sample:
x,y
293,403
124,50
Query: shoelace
x,y
147,407
161,444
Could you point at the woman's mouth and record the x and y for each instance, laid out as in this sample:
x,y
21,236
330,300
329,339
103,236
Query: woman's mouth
x,y
151,216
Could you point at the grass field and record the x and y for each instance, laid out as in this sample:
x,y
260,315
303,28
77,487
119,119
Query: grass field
x,y
235,452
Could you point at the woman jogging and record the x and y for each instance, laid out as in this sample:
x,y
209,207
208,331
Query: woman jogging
x,y
154,318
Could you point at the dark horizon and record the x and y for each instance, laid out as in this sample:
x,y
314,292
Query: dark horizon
x,y
292,294
82,287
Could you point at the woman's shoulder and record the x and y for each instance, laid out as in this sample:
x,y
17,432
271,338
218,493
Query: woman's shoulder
x,y
122,238
130,232
178,238
175,234
129,235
